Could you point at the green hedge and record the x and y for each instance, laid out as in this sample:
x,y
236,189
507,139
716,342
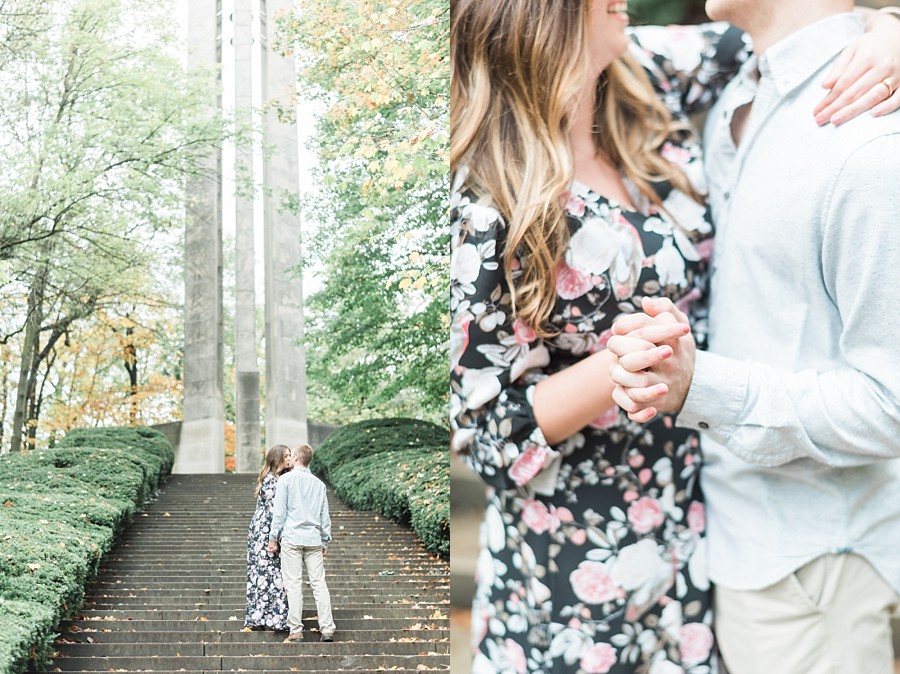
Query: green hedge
x,y
399,468
61,510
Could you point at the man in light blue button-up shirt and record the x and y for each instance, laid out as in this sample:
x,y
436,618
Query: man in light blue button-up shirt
x,y
301,520
798,397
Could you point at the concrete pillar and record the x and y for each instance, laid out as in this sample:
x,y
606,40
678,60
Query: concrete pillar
x,y
247,409
285,358
202,447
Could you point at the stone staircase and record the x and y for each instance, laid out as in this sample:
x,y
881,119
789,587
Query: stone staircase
x,y
171,595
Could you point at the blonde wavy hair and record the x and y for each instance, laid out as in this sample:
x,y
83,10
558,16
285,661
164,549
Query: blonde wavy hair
x,y
517,69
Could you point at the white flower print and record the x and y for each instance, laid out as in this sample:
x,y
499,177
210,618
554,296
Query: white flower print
x,y
669,265
687,213
637,565
593,247
481,217
465,264
481,386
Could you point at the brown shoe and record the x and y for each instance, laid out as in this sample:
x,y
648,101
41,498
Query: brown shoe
x,y
294,636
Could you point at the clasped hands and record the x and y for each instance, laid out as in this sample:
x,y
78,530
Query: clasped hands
x,y
655,351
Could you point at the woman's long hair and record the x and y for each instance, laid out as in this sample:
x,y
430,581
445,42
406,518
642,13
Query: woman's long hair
x,y
272,464
517,70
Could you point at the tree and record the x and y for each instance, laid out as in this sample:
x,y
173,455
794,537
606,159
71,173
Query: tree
x,y
99,125
376,331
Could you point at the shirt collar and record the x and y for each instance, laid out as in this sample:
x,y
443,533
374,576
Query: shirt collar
x,y
302,469
794,59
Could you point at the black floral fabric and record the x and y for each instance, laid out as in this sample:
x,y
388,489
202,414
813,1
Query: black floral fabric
x,y
592,557
266,597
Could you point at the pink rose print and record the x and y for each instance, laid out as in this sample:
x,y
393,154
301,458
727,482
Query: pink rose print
x,y
606,420
536,516
602,339
645,515
571,283
578,536
574,205
528,464
696,643
524,334
696,518
599,659
515,656
675,154
593,585
705,249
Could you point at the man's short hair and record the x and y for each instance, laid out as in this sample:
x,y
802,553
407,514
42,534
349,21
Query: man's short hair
x,y
303,454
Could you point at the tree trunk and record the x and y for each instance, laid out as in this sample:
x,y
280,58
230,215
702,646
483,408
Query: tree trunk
x,y
29,352
4,403
131,366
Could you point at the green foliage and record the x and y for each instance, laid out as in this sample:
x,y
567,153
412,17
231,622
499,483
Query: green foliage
x,y
27,633
662,12
61,510
376,329
398,467
124,437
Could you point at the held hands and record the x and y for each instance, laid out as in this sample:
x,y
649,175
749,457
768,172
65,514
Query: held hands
x,y
656,360
272,547
866,76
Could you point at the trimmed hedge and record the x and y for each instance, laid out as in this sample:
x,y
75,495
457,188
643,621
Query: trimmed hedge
x,y
61,510
399,468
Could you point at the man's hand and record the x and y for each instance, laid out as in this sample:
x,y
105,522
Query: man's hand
x,y
654,372
272,546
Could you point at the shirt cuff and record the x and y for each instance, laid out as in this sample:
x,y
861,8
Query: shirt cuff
x,y
716,399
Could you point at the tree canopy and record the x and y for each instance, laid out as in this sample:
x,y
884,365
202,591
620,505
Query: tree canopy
x,y
377,328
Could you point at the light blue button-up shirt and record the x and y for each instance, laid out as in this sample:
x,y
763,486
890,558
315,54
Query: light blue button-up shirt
x,y
300,513
798,398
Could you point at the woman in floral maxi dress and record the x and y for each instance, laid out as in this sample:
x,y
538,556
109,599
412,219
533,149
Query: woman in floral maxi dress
x,y
266,597
592,557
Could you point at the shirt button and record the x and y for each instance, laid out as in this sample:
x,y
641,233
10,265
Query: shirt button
x,y
703,425
727,195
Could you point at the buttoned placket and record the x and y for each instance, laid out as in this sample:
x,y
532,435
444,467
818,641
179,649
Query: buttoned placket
x,y
764,96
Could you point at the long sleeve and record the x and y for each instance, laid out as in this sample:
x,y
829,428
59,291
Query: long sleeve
x,y
495,360
690,65
842,416
279,510
325,520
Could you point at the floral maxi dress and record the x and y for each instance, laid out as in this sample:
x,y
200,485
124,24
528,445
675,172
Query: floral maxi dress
x,y
266,598
592,551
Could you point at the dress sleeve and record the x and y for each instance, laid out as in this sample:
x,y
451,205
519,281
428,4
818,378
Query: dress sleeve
x,y
267,492
495,359
690,65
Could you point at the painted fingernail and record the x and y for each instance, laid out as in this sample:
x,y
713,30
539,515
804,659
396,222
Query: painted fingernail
x,y
837,120
662,389
665,351
821,120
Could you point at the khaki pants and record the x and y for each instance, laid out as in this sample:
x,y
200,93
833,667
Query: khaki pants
x,y
831,616
293,558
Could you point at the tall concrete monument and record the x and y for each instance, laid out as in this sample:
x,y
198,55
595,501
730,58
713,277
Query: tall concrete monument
x,y
201,448
202,437
285,360
247,405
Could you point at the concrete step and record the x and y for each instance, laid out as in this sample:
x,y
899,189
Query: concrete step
x,y
258,662
171,595
267,636
222,626
342,645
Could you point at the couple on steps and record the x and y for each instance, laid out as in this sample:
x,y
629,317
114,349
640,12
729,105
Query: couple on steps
x,y
291,506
